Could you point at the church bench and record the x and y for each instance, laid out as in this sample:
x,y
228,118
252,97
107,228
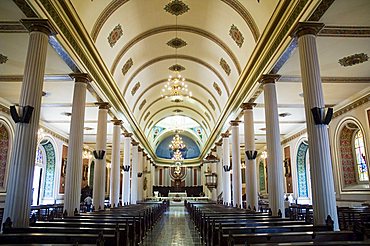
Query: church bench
x,y
55,238
250,238
120,235
348,217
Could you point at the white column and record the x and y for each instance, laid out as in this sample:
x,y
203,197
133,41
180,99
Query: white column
x,y
219,168
100,155
323,193
187,178
250,157
126,168
22,160
226,168
274,153
72,191
134,180
214,190
140,176
166,177
236,164
115,165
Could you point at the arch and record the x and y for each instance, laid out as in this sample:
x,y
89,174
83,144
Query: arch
x,y
169,57
302,169
347,163
5,150
262,175
116,4
178,28
187,80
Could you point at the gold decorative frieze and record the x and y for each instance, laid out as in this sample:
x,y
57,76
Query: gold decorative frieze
x,y
115,35
236,35
225,66
211,104
3,59
217,88
176,7
127,66
135,88
142,104
176,43
176,68
353,59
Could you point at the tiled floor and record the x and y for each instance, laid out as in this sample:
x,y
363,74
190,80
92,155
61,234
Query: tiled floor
x,y
174,228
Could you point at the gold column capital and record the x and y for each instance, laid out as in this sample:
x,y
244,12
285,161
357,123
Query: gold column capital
x,y
306,28
268,78
39,25
246,106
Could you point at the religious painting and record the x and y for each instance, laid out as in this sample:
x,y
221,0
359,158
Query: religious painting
x,y
63,169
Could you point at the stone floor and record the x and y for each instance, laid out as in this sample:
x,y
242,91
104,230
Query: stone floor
x,y
174,228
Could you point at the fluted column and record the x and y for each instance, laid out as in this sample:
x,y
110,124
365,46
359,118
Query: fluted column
x,y
100,155
72,191
126,168
250,156
323,193
134,166
236,164
226,168
166,176
219,168
115,165
274,154
22,160
140,176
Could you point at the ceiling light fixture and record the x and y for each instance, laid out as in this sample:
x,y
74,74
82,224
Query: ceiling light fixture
x,y
176,86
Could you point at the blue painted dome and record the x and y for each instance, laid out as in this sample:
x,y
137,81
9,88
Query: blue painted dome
x,y
191,151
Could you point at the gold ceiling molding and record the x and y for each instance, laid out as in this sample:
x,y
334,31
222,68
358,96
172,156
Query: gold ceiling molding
x,y
190,81
142,104
12,27
176,106
104,15
327,80
135,88
173,56
161,98
173,28
345,31
243,12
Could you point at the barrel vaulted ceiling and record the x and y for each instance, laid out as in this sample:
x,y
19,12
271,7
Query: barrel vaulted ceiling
x,y
223,47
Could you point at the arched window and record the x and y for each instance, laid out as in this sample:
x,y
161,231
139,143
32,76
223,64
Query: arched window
x,y
4,154
359,145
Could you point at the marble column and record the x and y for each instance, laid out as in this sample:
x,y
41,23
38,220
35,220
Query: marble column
x,y
236,164
219,167
323,192
22,160
72,192
115,165
250,156
134,166
100,157
126,168
274,153
140,175
226,168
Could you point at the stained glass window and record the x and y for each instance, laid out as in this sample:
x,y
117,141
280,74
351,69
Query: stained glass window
x,y
39,156
360,157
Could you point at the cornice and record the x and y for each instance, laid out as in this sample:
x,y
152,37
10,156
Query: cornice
x,y
345,31
12,27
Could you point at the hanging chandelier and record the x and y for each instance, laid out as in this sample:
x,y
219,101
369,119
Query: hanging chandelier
x,y
177,143
177,156
176,86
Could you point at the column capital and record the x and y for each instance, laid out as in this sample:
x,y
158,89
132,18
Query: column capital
x,y
225,135
116,122
127,134
140,149
39,25
235,122
306,28
81,77
219,143
247,105
134,143
213,149
269,78
103,105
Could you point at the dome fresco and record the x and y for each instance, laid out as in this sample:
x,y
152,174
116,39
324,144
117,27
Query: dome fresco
x,y
189,152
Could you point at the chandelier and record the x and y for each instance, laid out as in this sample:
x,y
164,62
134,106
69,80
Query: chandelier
x,y
177,156
177,143
176,86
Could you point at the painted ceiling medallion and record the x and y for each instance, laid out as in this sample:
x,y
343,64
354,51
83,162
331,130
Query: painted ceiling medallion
x,y
135,88
225,66
115,35
211,104
146,116
353,59
177,43
176,7
176,68
3,59
236,35
217,88
127,66
142,104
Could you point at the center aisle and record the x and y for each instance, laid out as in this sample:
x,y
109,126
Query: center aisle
x,y
174,228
